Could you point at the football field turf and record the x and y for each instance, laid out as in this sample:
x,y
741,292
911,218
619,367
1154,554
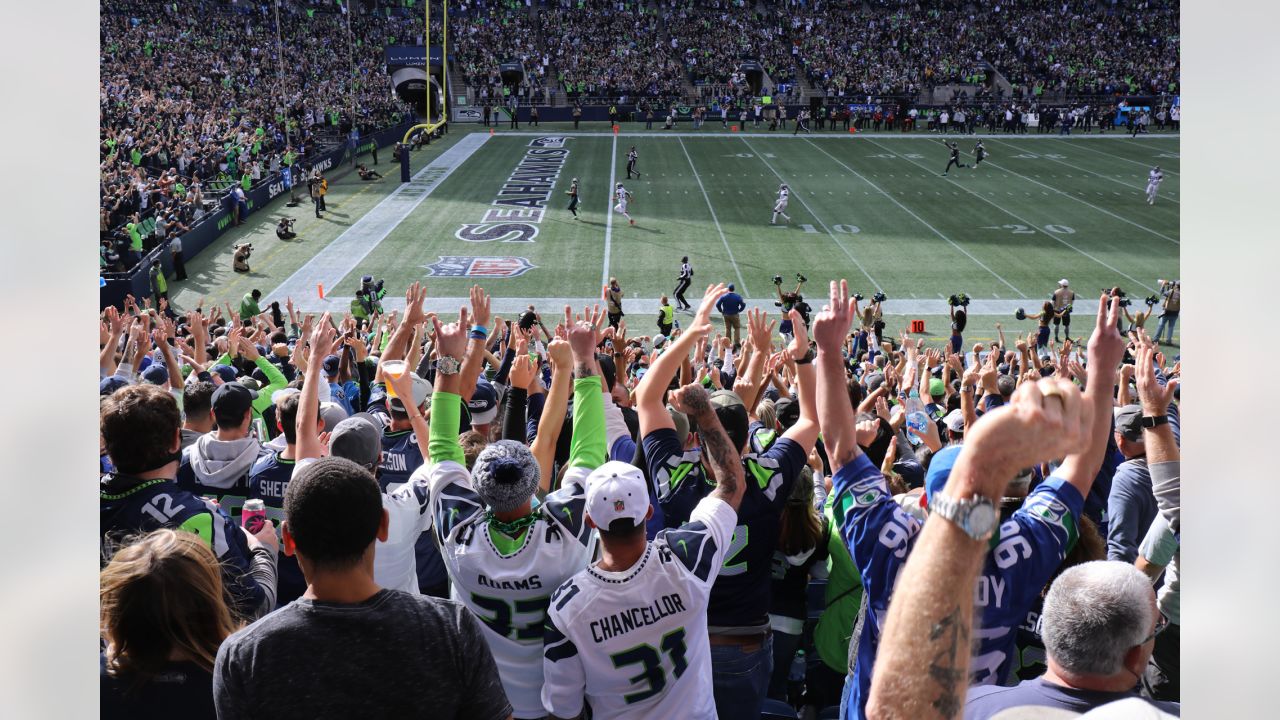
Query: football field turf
x,y
872,208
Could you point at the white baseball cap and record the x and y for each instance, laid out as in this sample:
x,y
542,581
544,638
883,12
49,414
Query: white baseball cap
x,y
617,490
1063,282
954,421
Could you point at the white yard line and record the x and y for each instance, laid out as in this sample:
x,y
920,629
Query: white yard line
x,y
448,306
1030,224
345,252
608,211
825,135
741,283
922,221
799,196
1117,157
1091,172
1140,226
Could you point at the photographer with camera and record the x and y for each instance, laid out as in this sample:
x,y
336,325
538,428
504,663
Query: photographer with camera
x,y
284,229
240,257
1171,291
367,174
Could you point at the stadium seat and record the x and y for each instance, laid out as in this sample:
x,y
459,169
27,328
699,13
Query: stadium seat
x,y
776,710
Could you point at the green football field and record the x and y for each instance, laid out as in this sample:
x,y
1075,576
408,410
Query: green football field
x,y
872,208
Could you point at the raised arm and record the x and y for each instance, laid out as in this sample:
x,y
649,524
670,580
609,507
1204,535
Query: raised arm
x,y
478,336
652,414
557,403
446,403
922,667
1106,348
587,447
835,412
1163,455
693,401
308,422
805,431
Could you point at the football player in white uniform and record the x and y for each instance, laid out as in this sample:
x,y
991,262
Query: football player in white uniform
x,y
1154,178
628,635
622,195
780,207
504,556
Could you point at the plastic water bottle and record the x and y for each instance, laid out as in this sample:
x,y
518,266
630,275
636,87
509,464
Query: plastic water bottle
x,y
916,417
795,678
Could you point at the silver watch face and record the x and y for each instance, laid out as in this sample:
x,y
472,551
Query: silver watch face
x,y
982,518
448,365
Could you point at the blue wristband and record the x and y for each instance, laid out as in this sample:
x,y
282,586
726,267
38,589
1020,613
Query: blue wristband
x,y
482,330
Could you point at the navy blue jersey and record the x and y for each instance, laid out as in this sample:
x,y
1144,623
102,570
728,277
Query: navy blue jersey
x,y
741,594
128,506
1027,550
400,458
268,480
230,497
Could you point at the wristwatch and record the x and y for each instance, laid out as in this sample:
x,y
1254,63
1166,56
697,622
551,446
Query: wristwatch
x,y
1154,421
448,365
976,516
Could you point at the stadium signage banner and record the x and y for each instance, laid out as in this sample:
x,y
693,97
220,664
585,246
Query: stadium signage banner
x,y
466,114
521,201
479,267
411,56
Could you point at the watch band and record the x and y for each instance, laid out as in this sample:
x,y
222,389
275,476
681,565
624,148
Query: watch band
x,y
1154,421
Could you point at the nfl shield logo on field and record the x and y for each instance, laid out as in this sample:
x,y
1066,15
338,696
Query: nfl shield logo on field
x,y
554,141
478,267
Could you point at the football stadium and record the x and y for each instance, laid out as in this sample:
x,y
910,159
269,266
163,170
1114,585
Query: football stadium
x,y
768,358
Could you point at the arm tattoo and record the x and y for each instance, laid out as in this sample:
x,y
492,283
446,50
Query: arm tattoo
x,y
582,369
715,441
948,669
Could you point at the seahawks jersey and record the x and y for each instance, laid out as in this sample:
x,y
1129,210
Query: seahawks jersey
x,y
621,194
634,643
129,507
1029,546
741,595
507,582
400,458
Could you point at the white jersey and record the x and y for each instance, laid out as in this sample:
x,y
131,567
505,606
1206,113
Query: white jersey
x,y
634,643
395,565
621,195
1154,179
507,583
783,195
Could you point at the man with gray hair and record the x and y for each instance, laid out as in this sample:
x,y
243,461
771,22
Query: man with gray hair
x,y
1100,624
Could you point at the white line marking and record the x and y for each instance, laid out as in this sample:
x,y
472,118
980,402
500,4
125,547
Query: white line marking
x,y
608,221
448,306
920,219
800,197
1095,207
1046,232
835,136
714,219
1104,177
1125,159
355,243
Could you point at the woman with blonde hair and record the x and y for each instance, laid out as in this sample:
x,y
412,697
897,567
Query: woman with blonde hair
x,y
163,616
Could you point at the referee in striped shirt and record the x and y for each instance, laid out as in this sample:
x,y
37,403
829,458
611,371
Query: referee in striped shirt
x,y
683,283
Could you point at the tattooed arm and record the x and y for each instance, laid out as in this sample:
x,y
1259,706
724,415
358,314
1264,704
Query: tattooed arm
x,y
693,401
922,668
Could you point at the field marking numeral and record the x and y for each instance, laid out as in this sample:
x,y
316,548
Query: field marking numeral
x,y
1169,155
1024,230
913,156
1026,156
846,229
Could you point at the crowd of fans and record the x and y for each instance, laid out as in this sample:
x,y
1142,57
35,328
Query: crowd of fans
x,y
489,35
193,103
579,489
606,47
713,38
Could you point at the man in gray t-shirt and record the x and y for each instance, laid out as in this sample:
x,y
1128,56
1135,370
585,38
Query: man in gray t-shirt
x,y
349,648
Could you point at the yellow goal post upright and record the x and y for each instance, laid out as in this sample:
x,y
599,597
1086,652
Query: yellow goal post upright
x,y
429,126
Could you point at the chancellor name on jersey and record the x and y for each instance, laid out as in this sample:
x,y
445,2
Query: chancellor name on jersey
x,y
593,642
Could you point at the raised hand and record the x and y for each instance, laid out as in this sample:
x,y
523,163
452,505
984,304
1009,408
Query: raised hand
x,y
451,339
561,355
1106,346
691,399
1155,397
522,366
584,333
1044,420
760,332
832,324
413,297
479,306
709,299
321,339
799,346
